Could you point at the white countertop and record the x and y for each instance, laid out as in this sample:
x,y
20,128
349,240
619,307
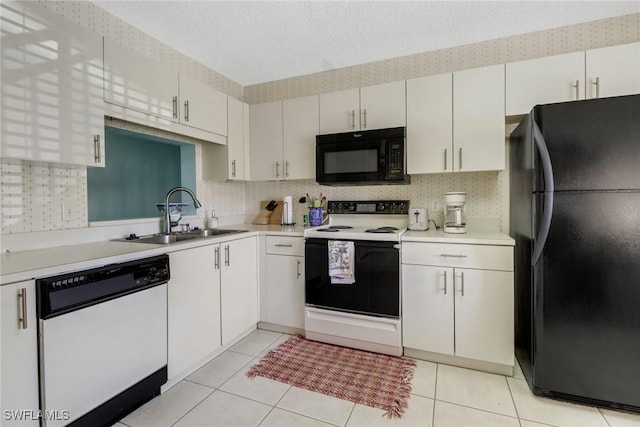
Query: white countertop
x,y
469,238
25,265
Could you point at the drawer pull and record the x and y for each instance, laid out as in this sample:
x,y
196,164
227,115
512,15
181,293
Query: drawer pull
x,y
445,282
452,256
298,264
282,245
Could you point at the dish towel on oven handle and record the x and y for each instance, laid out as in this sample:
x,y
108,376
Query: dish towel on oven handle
x,y
341,256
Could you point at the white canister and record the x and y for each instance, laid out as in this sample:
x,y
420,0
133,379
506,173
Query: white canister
x,y
287,210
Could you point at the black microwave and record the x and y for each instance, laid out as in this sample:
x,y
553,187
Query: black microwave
x,y
362,158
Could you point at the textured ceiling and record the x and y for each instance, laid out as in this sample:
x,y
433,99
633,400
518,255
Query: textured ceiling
x,y
253,42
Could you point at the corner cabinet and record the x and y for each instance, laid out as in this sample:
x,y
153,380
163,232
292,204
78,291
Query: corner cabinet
x,y
372,107
282,293
613,71
478,119
52,108
457,300
283,139
19,352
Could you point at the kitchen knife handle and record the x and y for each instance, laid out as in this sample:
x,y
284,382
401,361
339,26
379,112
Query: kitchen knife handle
x,y
597,85
22,311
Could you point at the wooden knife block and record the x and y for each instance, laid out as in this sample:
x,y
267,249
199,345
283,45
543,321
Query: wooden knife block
x,y
265,217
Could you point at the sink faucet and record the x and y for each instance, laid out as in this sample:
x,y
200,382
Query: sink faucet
x,y
167,214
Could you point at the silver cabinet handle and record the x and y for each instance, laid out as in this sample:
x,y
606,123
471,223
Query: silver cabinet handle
x,y
597,84
298,274
216,258
452,256
277,169
286,168
227,256
445,282
577,86
22,307
364,124
282,245
186,111
353,119
445,159
175,107
233,168
460,158
462,282
97,155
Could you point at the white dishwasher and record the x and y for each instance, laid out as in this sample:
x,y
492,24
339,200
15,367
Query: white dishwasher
x,y
102,341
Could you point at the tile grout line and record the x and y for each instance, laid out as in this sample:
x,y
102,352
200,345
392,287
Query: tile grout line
x,y
513,400
435,393
193,407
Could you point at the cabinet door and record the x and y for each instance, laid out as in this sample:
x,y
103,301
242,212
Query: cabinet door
x,y
239,292
478,119
235,139
194,307
613,71
383,106
427,308
543,81
202,106
51,88
138,83
19,351
285,290
430,124
300,127
340,111
266,141
484,315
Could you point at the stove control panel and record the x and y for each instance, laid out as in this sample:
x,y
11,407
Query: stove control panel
x,y
387,207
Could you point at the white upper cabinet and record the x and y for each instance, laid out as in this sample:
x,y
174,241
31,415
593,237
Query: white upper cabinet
x,y
202,107
283,139
266,141
430,124
371,107
52,108
154,95
544,80
479,119
300,127
613,71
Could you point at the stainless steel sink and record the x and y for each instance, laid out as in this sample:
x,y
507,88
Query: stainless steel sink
x,y
166,239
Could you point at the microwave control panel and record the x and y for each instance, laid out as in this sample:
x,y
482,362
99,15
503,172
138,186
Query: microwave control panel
x,y
396,159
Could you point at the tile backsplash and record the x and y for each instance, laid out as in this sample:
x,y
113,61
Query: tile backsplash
x,y
40,197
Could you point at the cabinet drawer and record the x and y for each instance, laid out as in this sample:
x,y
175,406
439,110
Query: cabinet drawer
x,y
285,245
484,257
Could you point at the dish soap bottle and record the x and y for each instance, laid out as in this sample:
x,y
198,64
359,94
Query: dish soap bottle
x,y
212,221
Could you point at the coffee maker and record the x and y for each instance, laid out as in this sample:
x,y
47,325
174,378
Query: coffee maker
x,y
455,218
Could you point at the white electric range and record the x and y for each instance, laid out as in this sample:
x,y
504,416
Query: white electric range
x,y
359,309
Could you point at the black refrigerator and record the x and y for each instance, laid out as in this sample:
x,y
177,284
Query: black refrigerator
x,y
575,216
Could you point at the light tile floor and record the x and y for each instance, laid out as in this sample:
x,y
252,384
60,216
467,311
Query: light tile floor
x,y
220,394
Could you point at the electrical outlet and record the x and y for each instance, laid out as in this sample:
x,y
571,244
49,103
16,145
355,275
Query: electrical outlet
x,y
435,205
67,212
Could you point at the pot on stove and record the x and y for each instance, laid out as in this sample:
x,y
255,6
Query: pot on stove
x,y
418,219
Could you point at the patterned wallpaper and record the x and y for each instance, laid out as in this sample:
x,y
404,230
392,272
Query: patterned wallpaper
x,y
32,194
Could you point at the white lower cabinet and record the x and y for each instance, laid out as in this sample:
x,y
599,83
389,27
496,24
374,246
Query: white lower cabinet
x,y
283,298
19,355
457,311
213,298
239,287
194,308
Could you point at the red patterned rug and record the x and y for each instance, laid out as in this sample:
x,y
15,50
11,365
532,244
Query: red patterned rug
x,y
371,379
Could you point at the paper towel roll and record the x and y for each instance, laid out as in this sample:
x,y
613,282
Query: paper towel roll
x,y
287,210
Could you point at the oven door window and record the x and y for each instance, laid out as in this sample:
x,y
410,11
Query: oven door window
x,y
376,290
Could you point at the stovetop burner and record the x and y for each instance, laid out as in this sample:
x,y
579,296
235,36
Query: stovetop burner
x,y
382,230
334,228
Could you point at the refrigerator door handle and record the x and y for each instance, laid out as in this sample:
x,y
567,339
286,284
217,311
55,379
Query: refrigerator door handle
x,y
547,172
